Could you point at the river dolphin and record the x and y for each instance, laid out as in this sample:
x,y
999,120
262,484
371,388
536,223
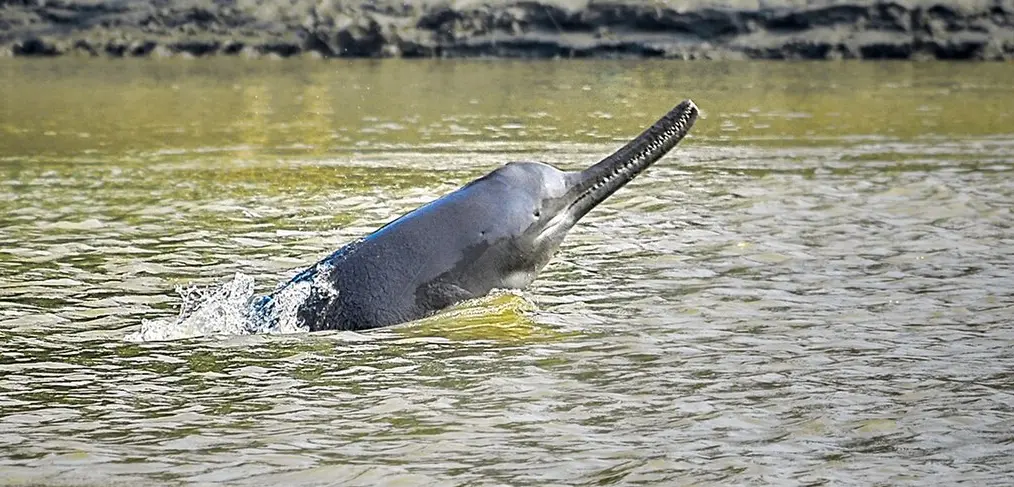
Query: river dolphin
x,y
495,232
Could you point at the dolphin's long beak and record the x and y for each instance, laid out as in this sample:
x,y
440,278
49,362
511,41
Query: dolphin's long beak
x,y
593,185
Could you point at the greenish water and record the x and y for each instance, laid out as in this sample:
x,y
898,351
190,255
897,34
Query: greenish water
x,y
815,288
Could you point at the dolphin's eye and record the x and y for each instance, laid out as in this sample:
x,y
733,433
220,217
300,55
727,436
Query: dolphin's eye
x,y
538,213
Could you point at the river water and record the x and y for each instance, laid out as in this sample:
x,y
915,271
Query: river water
x,y
815,288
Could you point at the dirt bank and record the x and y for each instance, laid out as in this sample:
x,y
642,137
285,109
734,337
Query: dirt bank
x,y
767,29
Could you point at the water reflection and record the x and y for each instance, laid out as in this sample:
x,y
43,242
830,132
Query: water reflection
x,y
380,104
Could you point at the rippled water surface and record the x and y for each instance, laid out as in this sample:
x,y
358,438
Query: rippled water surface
x,y
814,288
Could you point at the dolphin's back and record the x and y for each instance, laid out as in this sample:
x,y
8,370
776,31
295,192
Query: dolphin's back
x,y
404,270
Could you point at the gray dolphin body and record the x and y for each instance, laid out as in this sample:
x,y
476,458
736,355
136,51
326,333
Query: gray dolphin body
x,y
498,231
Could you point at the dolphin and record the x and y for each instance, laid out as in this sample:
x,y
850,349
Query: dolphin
x,y
496,232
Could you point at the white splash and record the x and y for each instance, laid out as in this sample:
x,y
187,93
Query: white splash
x,y
225,310
286,301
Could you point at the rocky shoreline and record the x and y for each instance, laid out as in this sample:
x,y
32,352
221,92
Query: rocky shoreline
x,y
764,29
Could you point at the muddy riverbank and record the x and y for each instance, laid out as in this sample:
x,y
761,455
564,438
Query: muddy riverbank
x,y
766,29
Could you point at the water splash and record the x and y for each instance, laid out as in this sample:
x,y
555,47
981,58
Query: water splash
x,y
278,312
226,309
232,309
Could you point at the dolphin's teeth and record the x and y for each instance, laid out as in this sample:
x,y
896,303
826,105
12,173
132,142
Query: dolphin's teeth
x,y
649,153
